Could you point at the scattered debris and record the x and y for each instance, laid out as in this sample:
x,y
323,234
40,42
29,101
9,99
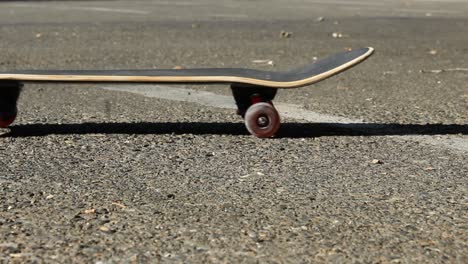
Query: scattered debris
x,y
104,229
210,154
445,70
251,174
429,169
285,34
337,35
38,35
89,211
389,72
49,197
245,176
119,205
433,52
267,62
376,161
261,61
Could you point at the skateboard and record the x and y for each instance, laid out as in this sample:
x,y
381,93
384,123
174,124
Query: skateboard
x,y
253,90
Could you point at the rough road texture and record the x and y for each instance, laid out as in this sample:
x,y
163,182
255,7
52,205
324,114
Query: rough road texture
x,y
98,176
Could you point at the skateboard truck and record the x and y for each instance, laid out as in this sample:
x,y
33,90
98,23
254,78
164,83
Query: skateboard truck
x,y
254,104
9,94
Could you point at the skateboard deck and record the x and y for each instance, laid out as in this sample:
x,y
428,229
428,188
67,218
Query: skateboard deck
x,y
253,90
303,76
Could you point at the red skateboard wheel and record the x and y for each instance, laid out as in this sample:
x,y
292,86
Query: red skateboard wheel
x,y
6,119
262,120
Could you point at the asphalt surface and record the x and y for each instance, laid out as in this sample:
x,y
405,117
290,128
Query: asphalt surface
x,y
101,176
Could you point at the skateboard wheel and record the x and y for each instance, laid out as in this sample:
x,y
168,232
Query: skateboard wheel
x,y
262,120
6,119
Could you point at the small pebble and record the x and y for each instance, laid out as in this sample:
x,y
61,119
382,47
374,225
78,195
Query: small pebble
x,y
285,34
89,211
104,228
337,35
